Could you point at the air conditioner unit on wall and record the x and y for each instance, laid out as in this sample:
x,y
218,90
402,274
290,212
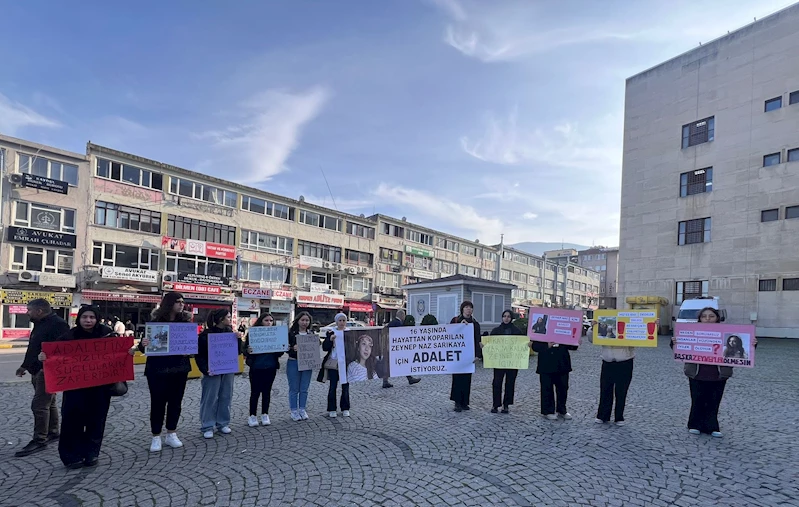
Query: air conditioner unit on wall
x,y
15,179
28,276
169,277
339,267
352,271
327,265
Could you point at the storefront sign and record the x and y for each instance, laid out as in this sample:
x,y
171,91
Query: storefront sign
x,y
320,300
248,305
57,280
219,251
132,274
192,287
43,238
319,287
201,279
17,309
419,252
126,297
255,293
359,306
46,219
387,302
23,297
421,273
42,183
173,244
279,306
16,334
282,295
201,248
310,262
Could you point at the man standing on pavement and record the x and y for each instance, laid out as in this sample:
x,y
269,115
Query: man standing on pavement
x,y
399,321
47,326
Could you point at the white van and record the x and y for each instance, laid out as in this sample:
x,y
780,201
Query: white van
x,y
690,308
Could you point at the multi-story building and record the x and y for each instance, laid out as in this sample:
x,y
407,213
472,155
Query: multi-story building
x,y
710,179
580,286
606,262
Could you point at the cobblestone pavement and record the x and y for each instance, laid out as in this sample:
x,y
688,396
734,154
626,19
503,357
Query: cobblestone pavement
x,y
405,446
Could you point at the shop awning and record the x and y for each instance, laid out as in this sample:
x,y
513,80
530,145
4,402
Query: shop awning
x,y
358,306
129,297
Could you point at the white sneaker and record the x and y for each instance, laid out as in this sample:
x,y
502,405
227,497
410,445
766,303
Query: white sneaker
x,y
265,420
694,432
332,415
155,445
567,416
599,421
621,423
717,434
208,434
552,417
346,413
226,430
252,421
172,440
304,414
295,415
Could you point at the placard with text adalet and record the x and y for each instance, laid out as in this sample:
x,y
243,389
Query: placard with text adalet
x,y
431,350
76,364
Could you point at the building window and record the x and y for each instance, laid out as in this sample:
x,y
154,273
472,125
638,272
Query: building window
x,y
42,216
318,250
389,256
771,159
360,230
489,274
256,272
124,256
469,250
420,237
201,230
268,208
691,290
393,230
193,264
790,284
356,284
793,98
40,166
792,212
469,271
488,308
773,104
519,277
129,174
447,244
127,217
419,262
261,241
490,256
767,285
769,215
358,258
47,260
521,259
696,182
694,231
321,221
389,280
793,155
504,275
697,133
202,192
446,268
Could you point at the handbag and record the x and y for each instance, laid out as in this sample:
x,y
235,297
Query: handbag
x,y
331,364
118,388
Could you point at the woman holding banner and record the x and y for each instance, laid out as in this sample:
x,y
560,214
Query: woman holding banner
x,y
299,381
707,383
500,374
263,370
329,370
217,389
462,382
166,376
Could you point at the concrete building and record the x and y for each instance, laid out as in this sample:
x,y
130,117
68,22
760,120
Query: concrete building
x,y
606,262
710,181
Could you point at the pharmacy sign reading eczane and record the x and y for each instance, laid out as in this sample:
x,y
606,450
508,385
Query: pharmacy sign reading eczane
x,y
43,238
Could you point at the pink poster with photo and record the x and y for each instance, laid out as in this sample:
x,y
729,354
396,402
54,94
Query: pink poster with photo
x,y
555,326
717,344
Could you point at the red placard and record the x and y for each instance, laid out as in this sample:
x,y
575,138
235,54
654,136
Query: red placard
x,y
16,333
76,364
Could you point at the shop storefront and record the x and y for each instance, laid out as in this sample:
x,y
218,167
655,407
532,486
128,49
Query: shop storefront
x,y
128,306
387,309
278,302
322,307
15,324
203,299
360,310
248,310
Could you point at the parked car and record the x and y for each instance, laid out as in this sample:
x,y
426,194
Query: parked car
x,y
352,324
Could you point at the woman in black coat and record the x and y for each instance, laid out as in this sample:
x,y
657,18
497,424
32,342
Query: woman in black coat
x,y
462,382
554,365
509,375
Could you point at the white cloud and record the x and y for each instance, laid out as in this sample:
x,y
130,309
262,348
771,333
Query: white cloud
x,y
529,216
15,116
268,131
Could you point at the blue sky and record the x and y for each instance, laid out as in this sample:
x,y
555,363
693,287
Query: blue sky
x,y
476,117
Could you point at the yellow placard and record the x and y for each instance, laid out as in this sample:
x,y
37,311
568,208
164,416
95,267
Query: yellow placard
x,y
626,328
508,351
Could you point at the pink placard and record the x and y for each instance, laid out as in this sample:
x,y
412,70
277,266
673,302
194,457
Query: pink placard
x,y
555,326
17,309
717,344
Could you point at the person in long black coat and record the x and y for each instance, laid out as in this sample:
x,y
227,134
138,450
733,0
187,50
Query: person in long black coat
x,y
554,365
462,382
506,374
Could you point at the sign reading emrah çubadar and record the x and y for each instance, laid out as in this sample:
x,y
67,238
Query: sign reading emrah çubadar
x,y
43,238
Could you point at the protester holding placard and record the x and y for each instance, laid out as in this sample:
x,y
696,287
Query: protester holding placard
x,y
166,376
554,366
299,381
615,378
217,389
707,383
84,411
462,382
329,370
263,370
508,375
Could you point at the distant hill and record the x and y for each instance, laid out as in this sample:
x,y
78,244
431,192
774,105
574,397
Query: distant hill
x,y
539,247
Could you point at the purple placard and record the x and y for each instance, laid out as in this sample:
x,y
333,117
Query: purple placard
x,y
552,325
171,338
714,343
223,353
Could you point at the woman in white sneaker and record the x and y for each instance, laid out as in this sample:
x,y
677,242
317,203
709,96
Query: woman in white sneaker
x,y
166,376
706,383
263,369
217,389
329,369
299,381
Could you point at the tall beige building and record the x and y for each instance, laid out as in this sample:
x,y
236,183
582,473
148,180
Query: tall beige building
x,y
710,181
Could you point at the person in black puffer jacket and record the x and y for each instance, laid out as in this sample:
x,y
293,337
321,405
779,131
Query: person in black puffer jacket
x,y
509,375
462,382
554,365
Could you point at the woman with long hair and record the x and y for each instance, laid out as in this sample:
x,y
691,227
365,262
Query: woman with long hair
x,y
363,366
263,370
462,382
500,374
217,389
735,348
299,381
166,376
329,370
707,383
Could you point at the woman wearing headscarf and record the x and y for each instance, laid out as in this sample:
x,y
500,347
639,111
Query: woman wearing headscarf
x,y
329,370
500,374
217,389
263,370
462,382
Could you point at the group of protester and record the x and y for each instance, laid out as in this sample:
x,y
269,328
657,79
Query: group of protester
x,y
84,411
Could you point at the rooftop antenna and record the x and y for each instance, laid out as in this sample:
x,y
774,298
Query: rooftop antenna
x,y
328,188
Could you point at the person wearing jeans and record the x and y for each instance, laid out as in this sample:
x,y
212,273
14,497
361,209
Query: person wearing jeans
x,y
329,369
263,370
299,381
217,389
